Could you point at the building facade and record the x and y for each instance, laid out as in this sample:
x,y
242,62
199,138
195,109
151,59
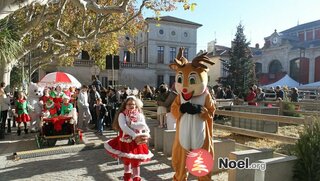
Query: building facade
x,y
295,51
218,54
156,48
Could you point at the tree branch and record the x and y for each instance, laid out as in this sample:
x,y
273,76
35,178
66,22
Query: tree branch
x,y
8,7
90,5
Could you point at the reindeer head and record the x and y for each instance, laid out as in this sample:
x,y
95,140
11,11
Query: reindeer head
x,y
191,78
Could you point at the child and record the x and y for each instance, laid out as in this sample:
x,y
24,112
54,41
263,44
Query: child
x,y
22,112
100,111
130,146
50,109
57,96
162,110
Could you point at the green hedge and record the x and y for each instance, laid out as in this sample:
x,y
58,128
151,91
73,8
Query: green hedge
x,y
307,150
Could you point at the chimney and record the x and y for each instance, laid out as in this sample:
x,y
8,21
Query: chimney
x,y
211,46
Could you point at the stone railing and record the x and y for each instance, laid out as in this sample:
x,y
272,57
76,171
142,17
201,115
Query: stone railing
x,y
83,63
134,65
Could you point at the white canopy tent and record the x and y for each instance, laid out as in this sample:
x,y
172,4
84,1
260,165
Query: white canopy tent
x,y
284,81
314,85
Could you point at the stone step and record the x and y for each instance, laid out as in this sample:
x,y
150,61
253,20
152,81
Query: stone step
x,y
168,139
253,155
277,169
152,124
158,138
222,149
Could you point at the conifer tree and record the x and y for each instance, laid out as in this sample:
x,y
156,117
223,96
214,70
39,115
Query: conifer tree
x,y
240,66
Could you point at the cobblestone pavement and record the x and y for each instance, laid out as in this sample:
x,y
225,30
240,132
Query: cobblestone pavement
x,y
86,165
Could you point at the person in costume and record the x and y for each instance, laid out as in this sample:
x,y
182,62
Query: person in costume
x,y
22,112
57,96
45,97
50,109
193,109
130,145
66,107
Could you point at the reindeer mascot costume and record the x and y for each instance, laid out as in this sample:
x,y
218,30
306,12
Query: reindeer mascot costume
x,y
194,110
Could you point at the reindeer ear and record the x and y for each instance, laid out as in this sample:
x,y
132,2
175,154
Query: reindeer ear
x,y
174,66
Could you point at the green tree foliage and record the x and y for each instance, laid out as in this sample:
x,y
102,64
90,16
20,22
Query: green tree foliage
x,y
16,77
58,30
240,66
9,42
307,150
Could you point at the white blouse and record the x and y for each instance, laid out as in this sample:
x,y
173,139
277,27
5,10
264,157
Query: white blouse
x,y
124,123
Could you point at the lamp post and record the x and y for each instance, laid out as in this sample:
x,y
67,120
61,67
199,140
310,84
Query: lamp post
x,y
29,61
112,63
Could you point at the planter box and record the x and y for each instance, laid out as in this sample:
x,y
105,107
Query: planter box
x,y
258,125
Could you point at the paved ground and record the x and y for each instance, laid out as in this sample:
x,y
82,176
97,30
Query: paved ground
x,y
86,165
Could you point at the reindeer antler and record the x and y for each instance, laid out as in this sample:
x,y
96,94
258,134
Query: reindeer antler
x,y
180,59
200,60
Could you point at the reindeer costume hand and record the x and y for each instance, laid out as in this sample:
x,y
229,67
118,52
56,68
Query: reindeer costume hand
x,y
193,109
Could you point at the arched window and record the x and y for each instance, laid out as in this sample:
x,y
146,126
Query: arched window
x,y
275,67
317,69
85,55
258,68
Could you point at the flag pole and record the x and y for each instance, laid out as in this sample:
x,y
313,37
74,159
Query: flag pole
x,y
113,71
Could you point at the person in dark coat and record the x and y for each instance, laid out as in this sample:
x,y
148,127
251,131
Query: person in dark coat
x,y
294,95
97,84
229,93
112,103
101,112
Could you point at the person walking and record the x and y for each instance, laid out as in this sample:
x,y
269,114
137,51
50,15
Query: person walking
x,y
93,96
130,146
83,106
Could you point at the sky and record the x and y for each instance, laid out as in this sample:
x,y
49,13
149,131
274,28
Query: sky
x,y
260,18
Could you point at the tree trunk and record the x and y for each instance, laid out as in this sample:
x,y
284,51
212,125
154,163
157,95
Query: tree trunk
x,y
5,70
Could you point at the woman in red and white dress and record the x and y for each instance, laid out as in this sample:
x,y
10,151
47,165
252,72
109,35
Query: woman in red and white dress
x,y
130,145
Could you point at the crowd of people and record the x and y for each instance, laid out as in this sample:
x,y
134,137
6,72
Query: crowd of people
x,y
255,94
96,105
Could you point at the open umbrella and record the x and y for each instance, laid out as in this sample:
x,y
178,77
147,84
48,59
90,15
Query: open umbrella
x,y
59,78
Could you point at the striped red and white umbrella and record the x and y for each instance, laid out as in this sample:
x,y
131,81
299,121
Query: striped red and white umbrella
x,y
59,78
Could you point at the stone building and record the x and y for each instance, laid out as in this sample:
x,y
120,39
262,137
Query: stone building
x,y
295,51
218,54
156,47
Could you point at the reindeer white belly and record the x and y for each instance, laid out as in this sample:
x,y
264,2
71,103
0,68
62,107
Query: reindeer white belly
x,y
192,131
192,128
